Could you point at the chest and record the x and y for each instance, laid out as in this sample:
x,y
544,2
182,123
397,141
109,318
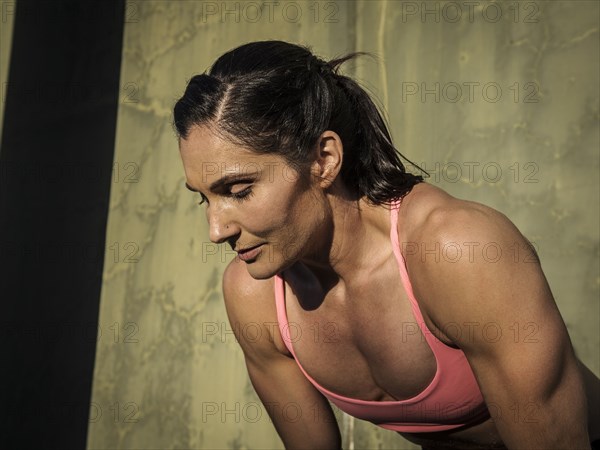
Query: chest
x,y
363,342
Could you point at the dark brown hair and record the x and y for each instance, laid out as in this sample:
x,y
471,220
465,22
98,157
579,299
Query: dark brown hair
x,y
277,97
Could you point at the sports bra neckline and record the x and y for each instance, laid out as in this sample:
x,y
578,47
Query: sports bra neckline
x,y
431,341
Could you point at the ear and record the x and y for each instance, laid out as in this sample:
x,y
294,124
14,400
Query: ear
x,y
328,161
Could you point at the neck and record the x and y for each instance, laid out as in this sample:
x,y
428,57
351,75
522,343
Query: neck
x,y
349,243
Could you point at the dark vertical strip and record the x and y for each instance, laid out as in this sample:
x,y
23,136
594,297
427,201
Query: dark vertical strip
x,y
55,173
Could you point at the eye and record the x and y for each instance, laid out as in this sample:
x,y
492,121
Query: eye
x,y
242,195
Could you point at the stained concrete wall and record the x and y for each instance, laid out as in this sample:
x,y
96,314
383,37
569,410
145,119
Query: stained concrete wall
x,y
499,102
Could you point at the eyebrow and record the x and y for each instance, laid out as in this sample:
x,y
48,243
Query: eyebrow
x,y
224,180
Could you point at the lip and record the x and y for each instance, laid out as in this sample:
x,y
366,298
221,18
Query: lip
x,y
251,253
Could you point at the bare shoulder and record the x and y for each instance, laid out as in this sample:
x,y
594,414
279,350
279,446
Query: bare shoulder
x,y
243,292
453,247
250,306
430,211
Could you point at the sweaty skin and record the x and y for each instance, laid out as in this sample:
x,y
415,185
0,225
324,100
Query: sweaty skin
x,y
337,260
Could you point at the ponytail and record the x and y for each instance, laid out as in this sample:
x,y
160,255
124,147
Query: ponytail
x,y
371,164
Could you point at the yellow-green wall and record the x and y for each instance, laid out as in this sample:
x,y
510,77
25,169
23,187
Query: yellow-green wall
x,y
171,375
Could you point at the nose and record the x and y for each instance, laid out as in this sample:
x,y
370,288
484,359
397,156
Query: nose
x,y
221,227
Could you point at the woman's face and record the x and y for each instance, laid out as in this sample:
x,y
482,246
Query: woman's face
x,y
254,200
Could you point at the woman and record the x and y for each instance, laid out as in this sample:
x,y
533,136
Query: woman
x,y
402,305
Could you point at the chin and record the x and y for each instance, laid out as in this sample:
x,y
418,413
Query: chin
x,y
263,269
259,274
260,269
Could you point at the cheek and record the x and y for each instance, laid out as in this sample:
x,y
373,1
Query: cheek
x,y
279,207
265,217
298,228
283,212
284,226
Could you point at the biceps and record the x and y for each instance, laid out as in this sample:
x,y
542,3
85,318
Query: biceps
x,y
529,381
530,364
530,405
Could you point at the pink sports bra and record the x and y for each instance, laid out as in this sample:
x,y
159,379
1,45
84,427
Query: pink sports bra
x,y
451,400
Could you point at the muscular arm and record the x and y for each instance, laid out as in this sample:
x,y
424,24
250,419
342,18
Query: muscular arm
x,y
301,415
511,330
